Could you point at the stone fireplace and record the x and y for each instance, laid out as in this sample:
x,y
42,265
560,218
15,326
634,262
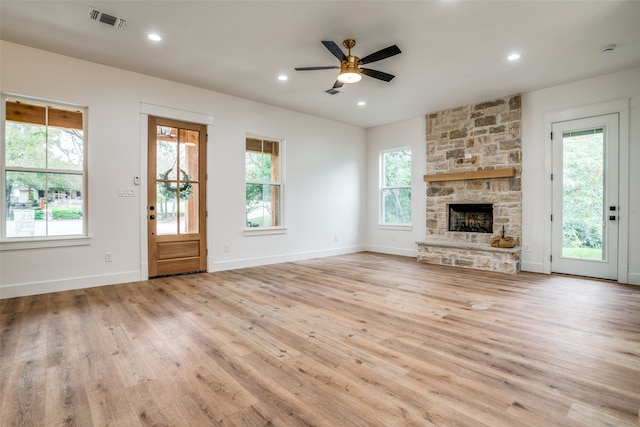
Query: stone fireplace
x,y
473,185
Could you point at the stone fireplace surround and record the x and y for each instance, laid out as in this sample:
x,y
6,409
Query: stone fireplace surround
x,y
474,155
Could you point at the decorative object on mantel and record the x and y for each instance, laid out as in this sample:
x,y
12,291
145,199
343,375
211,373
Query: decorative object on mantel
x,y
503,241
479,174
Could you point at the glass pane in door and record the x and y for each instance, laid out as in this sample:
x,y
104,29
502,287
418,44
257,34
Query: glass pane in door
x,y
188,142
583,159
166,152
189,209
166,209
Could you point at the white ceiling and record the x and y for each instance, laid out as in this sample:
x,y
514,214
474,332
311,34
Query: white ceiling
x,y
453,51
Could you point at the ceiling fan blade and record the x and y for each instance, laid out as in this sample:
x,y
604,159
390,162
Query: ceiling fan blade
x,y
377,74
337,84
331,67
381,54
334,49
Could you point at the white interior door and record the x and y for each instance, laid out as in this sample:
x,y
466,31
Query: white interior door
x,y
585,197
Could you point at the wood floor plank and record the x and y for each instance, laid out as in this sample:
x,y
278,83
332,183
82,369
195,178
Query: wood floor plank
x,y
66,399
360,340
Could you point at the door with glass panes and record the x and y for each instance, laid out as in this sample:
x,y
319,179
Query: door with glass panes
x,y
176,211
585,197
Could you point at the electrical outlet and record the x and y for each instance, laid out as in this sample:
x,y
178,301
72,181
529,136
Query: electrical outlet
x,y
527,248
335,238
108,257
226,247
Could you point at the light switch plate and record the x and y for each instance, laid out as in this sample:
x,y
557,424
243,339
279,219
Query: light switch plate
x,y
126,192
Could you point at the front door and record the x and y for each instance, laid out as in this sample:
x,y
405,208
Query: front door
x,y
585,197
176,211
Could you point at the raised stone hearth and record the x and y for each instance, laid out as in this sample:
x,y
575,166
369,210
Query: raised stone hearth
x,y
470,255
474,156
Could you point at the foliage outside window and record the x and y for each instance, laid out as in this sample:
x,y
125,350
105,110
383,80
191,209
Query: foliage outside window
x,y
263,185
44,169
583,191
395,188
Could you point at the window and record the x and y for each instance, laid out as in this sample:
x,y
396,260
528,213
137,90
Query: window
x,y
263,183
43,169
395,187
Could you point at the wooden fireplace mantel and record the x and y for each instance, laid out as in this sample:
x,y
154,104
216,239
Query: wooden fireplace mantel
x,y
479,174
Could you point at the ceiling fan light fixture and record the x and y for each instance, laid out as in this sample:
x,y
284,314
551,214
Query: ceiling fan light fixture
x,y
349,77
349,72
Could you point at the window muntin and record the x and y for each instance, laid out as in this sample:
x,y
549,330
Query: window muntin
x,y
395,187
263,186
43,169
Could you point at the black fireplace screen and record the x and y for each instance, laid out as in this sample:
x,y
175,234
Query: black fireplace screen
x,y
471,217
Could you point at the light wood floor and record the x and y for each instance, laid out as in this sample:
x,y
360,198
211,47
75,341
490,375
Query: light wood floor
x,y
355,340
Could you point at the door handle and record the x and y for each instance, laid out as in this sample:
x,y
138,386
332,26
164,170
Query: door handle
x,y
152,217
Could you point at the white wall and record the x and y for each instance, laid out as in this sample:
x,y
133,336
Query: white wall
x,y
324,183
535,104
625,84
397,240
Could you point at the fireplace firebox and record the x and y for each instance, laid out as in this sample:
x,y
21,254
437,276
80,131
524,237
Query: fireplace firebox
x,y
471,217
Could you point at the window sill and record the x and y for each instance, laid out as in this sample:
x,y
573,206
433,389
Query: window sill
x,y
39,243
264,231
395,227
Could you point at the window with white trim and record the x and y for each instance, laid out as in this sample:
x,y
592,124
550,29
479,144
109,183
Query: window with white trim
x,y
263,182
395,186
43,169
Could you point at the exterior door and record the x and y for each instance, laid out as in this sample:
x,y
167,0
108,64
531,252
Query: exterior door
x,y
585,197
176,213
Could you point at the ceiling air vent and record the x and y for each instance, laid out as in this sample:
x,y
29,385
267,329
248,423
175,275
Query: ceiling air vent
x,y
332,91
113,21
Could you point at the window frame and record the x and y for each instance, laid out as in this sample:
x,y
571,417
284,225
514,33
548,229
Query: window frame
x,y
382,187
272,229
31,242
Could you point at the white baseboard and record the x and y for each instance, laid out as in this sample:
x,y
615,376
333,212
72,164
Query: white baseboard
x,y
25,289
633,279
533,267
254,262
393,251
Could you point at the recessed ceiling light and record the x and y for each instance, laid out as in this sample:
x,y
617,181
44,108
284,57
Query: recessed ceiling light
x,y
283,78
362,103
513,57
155,37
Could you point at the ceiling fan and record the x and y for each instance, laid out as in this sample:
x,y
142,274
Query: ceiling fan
x,y
350,70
